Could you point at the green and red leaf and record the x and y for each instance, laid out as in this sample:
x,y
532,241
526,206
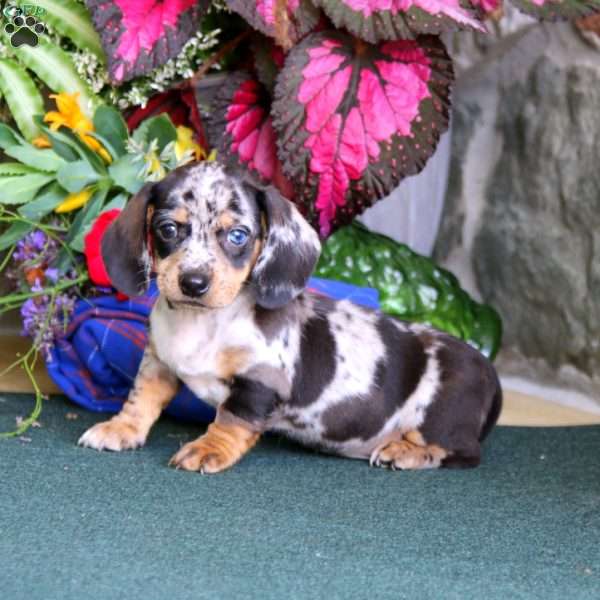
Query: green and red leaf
x,y
557,9
378,20
140,35
353,120
241,128
285,20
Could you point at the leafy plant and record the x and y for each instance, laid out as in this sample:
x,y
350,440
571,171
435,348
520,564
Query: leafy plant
x,y
91,165
410,286
337,100
48,63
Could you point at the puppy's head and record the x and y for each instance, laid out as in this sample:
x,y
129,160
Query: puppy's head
x,y
209,234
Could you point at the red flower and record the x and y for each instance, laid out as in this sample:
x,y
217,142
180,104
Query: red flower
x,y
92,251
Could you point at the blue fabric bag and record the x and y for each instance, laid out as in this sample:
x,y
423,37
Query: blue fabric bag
x,y
96,362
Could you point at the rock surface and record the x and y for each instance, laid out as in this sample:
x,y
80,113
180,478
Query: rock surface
x,y
524,220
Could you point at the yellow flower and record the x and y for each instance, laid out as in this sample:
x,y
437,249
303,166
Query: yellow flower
x,y
185,141
154,165
74,201
41,141
69,115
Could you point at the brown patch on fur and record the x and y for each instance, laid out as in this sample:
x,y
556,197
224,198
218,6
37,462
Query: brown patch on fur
x,y
180,214
415,437
154,388
231,361
167,275
227,280
226,220
224,444
411,452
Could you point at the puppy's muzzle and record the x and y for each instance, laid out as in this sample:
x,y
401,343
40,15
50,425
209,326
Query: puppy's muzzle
x,y
194,284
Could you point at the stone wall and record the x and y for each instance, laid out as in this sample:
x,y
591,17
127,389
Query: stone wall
x,y
522,218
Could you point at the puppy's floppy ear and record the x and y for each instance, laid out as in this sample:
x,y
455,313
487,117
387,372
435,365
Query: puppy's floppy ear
x,y
290,251
124,249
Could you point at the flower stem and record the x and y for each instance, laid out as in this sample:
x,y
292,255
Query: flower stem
x,y
12,298
7,258
37,409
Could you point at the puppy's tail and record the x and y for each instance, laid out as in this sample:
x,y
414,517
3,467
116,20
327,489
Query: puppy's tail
x,y
494,412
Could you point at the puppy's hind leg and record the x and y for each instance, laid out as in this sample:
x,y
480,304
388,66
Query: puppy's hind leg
x,y
409,452
153,389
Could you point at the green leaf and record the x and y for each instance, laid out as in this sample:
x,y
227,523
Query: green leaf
x,y
14,233
22,97
109,124
66,143
55,68
76,175
43,160
159,128
113,153
9,137
119,201
85,218
15,168
124,173
45,202
72,20
84,151
60,144
411,287
22,188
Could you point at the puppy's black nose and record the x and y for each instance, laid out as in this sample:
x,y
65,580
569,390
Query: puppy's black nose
x,y
194,283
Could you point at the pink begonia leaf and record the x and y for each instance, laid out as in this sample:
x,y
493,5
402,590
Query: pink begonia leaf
x,y
140,35
353,120
302,16
240,126
377,20
554,10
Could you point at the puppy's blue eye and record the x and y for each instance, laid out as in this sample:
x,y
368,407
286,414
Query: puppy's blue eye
x,y
238,237
168,231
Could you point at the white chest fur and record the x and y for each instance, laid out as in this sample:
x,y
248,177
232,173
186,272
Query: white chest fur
x,y
192,343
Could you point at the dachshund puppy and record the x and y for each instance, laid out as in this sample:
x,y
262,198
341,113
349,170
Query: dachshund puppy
x,y
234,323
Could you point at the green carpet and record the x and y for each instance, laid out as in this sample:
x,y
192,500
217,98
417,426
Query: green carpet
x,y
288,523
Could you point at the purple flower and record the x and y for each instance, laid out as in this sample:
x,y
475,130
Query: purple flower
x,y
44,320
52,274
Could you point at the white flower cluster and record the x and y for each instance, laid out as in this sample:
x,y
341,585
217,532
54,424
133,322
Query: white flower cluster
x,y
138,91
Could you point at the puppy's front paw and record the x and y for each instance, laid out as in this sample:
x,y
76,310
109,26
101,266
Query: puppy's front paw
x,y
198,456
218,449
115,435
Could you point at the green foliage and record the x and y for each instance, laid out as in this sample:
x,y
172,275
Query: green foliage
x,y
14,168
124,173
411,286
55,68
21,188
47,200
22,97
85,218
14,233
9,137
159,128
42,160
111,129
72,20
74,176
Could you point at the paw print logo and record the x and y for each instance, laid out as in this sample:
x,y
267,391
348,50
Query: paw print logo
x,y
24,30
